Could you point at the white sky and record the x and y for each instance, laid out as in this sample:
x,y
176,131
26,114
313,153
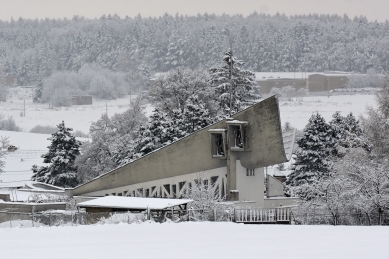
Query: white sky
x,y
372,9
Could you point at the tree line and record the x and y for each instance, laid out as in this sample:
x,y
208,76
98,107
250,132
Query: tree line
x,y
33,50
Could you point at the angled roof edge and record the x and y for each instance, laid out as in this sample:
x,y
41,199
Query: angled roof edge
x,y
205,128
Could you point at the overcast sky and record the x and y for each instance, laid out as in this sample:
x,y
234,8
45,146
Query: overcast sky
x,y
372,9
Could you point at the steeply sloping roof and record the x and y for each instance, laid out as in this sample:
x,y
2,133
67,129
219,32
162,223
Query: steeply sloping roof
x,y
121,202
288,140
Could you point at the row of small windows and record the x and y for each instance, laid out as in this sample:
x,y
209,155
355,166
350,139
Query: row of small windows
x,y
250,172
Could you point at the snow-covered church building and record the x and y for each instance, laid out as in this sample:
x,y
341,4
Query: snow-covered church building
x,y
232,154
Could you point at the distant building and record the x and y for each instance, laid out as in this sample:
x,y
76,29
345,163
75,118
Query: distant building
x,y
327,82
82,100
313,81
267,84
11,80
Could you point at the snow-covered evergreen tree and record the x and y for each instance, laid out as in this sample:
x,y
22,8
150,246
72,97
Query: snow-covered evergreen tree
x,y
38,91
348,132
233,84
313,156
2,162
63,151
154,136
196,116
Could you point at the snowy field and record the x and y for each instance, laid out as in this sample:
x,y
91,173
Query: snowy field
x,y
195,240
78,117
298,113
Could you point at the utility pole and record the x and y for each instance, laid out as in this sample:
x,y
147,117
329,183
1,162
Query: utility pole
x,y
231,81
24,113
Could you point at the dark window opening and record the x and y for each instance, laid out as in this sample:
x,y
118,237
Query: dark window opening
x,y
181,185
167,188
250,172
214,180
174,189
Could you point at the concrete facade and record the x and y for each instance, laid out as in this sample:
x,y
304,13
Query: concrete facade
x,y
82,100
267,84
236,169
322,83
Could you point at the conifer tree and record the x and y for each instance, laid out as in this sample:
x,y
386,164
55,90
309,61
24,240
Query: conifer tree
x,y
313,156
154,136
233,84
347,132
61,156
38,91
196,116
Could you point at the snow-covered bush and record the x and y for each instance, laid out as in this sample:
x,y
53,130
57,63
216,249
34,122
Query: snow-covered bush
x,y
8,124
43,129
206,201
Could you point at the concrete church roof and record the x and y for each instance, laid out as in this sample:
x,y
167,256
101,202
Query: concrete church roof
x,y
267,146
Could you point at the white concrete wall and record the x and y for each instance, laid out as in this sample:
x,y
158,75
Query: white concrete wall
x,y
188,178
251,189
279,201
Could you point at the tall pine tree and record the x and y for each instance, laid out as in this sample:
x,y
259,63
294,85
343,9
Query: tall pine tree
x,y
61,156
233,84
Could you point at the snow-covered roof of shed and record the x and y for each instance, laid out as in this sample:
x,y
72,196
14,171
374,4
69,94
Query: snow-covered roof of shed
x,y
288,140
121,202
284,75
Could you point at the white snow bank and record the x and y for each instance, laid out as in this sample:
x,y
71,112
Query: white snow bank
x,y
195,240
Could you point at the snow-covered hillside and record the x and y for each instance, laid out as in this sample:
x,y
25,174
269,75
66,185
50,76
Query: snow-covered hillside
x,y
195,240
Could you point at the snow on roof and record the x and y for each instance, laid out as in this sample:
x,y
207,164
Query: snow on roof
x,y
288,140
121,202
284,75
297,75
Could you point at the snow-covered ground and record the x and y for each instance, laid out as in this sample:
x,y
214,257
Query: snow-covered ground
x,y
298,113
78,117
195,240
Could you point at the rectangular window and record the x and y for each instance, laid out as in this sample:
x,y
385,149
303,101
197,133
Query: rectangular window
x,y
250,172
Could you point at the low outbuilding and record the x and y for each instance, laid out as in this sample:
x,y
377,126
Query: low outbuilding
x,y
153,207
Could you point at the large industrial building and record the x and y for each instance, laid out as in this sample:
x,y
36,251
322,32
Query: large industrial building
x,y
231,154
312,81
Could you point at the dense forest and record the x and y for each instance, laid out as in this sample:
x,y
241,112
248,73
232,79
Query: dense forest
x,y
35,49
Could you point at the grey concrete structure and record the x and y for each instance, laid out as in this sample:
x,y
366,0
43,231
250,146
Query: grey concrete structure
x,y
231,154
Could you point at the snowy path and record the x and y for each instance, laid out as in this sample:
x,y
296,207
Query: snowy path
x,y
195,240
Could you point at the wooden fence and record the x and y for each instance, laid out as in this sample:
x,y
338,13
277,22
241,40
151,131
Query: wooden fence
x,y
277,215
